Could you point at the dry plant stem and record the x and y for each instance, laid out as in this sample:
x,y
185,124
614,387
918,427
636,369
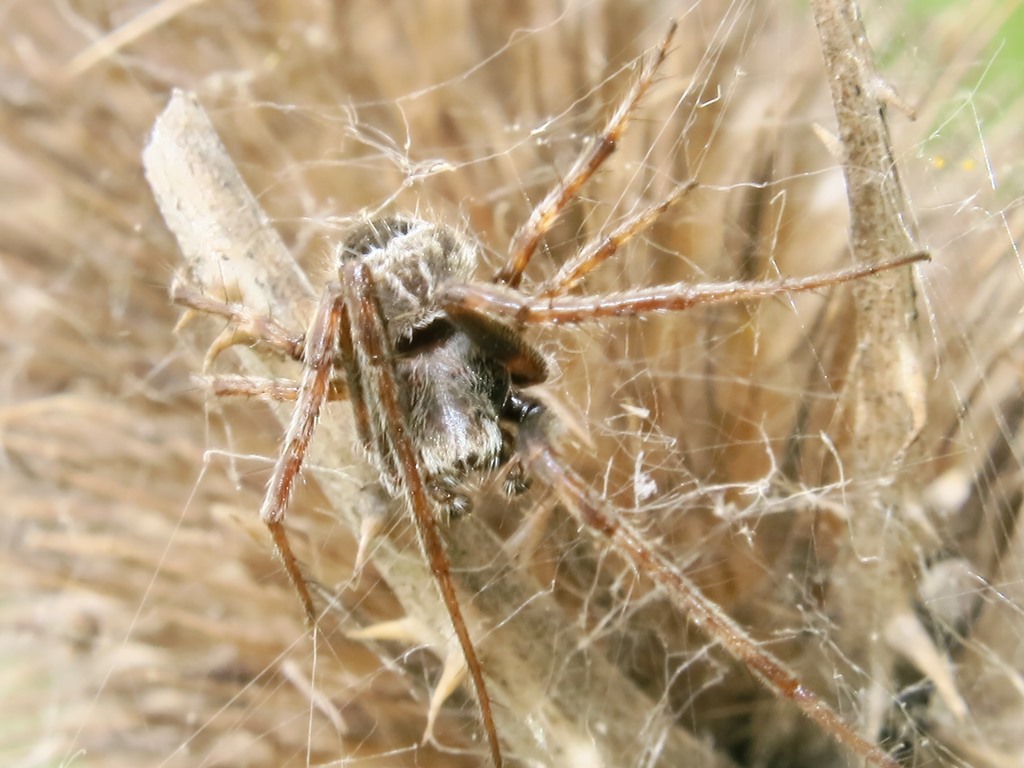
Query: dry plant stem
x,y
230,248
886,391
890,415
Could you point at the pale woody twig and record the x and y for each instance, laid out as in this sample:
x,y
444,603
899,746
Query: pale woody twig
x,y
886,390
230,248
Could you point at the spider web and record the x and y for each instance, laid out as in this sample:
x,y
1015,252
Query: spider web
x,y
146,623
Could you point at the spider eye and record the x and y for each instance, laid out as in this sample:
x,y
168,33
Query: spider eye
x,y
431,335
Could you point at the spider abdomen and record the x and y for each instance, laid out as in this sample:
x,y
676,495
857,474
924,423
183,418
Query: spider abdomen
x,y
451,397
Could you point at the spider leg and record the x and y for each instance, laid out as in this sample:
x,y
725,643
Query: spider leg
x,y
501,342
275,390
535,451
245,326
545,214
371,355
321,342
506,305
598,251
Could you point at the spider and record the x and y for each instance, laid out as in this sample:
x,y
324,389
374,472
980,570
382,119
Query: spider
x,y
436,369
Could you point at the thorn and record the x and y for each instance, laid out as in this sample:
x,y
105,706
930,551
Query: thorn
x,y
522,544
408,631
186,317
294,674
369,530
886,94
905,634
830,140
226,339
452,676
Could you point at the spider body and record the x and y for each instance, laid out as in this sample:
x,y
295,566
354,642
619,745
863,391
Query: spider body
x,y
452,373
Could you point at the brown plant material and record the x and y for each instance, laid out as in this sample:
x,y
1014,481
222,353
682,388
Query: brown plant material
x,y
144,622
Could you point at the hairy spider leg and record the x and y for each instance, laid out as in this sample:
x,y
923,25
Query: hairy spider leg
x,y
329,333
599,250
316,351
482,310
245,325
519,309
270,390
368,360
325,332
545,214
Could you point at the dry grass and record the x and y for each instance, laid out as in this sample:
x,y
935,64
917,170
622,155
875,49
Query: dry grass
x,y
144,622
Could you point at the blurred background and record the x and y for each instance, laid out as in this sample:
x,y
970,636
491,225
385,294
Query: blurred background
x,y
143,620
